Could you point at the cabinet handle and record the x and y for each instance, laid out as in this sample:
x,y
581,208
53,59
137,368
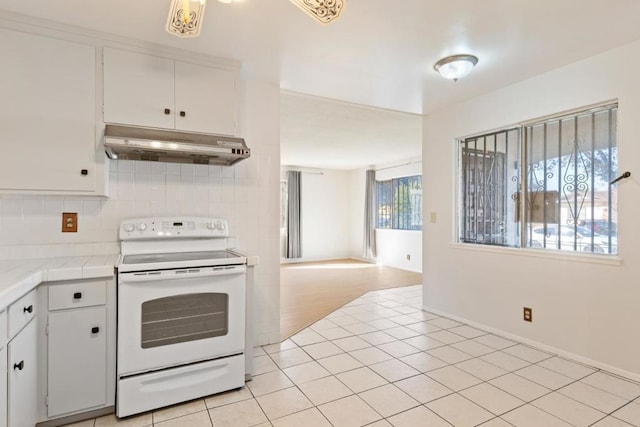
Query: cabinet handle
x,y
18,366
167,111
77,295
28,309
84,172
95,330
183,114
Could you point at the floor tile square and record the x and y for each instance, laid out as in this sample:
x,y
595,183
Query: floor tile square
x,y
268,383
322,349
322,325
228,397
349,412
453,378
467,331
549,379
492,398
398,348
496,422
288,358
444,323
505,361
423,362
569,410
473,348
423,389
306,337
283,402
446,337
614,385
306,372
567,368
530,416
308,418
527,353
198,419
179,410
629,413
388,400
282,346
520,387
495,341
612,422
325,390
423,342
401,332
335,333
359,328
263,364
377,338
449,354
370,355
361,379
394,370
424,327
481,369
403,320
459,411
351,343
246,413
594,397
382,324
344,320
339,363
419,416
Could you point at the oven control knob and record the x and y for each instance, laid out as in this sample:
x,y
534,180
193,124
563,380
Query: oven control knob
x,y
129,228
142,226
211,226
220,225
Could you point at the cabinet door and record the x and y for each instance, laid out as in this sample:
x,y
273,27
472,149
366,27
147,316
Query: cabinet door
x,y
77,360
206,99
23,378
47,114
138,89
3,387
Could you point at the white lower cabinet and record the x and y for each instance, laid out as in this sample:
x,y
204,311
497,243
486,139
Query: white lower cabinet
x,y
77,360
23,377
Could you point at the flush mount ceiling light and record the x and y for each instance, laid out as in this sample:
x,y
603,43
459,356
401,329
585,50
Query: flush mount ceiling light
x,y
185,17
325,11
455,67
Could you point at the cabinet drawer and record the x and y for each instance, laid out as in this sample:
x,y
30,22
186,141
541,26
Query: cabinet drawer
x,y
3,329
21,312
75,295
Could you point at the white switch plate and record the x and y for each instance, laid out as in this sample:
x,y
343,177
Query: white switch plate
x,y
432,217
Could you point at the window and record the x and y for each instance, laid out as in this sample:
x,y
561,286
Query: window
x,y
563,164
399,203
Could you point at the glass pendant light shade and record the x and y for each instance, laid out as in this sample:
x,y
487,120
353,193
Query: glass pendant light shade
x,y
185,17
325,11
456,66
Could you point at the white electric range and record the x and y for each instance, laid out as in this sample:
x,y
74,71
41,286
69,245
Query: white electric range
x,y
181,312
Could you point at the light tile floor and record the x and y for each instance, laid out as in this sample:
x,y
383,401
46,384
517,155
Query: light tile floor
x,y
381,361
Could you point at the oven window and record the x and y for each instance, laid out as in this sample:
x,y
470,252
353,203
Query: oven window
x,y
184,318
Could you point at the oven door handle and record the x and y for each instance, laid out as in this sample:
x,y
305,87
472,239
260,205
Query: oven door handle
x,y
180,273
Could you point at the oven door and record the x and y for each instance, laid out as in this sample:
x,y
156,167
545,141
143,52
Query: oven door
x,y
173,317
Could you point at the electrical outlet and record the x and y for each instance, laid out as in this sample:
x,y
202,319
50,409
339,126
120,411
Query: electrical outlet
x,y
527,314
408,257
69,222
433,216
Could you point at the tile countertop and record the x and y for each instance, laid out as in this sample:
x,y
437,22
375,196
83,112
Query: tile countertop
x,y
17,277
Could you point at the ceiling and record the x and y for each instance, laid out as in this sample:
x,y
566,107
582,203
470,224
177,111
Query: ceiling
x,y
380,53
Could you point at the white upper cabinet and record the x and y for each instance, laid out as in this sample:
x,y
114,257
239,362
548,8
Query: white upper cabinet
x,y
150,91
47,114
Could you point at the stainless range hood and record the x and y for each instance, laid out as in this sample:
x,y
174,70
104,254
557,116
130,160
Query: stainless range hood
x,y
139,143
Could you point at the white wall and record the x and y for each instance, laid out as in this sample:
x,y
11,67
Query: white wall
x,y
357,182
586,309
324,203
400,248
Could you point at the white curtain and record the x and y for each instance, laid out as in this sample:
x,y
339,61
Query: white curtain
x,y
294,247
370,216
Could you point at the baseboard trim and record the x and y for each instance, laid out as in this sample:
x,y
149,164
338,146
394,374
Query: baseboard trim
x,y
550,349
78,417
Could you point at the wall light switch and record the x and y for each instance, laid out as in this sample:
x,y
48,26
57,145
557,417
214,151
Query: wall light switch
x,y
69,222
432,217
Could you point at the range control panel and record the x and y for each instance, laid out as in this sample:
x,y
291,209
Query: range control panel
x,y
172,227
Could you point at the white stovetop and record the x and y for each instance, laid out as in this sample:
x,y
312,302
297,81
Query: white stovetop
x,y
17,277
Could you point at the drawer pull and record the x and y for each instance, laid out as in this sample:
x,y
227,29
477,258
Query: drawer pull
x,y
95,330
167,111
18,366
183,114
28,309
77,295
